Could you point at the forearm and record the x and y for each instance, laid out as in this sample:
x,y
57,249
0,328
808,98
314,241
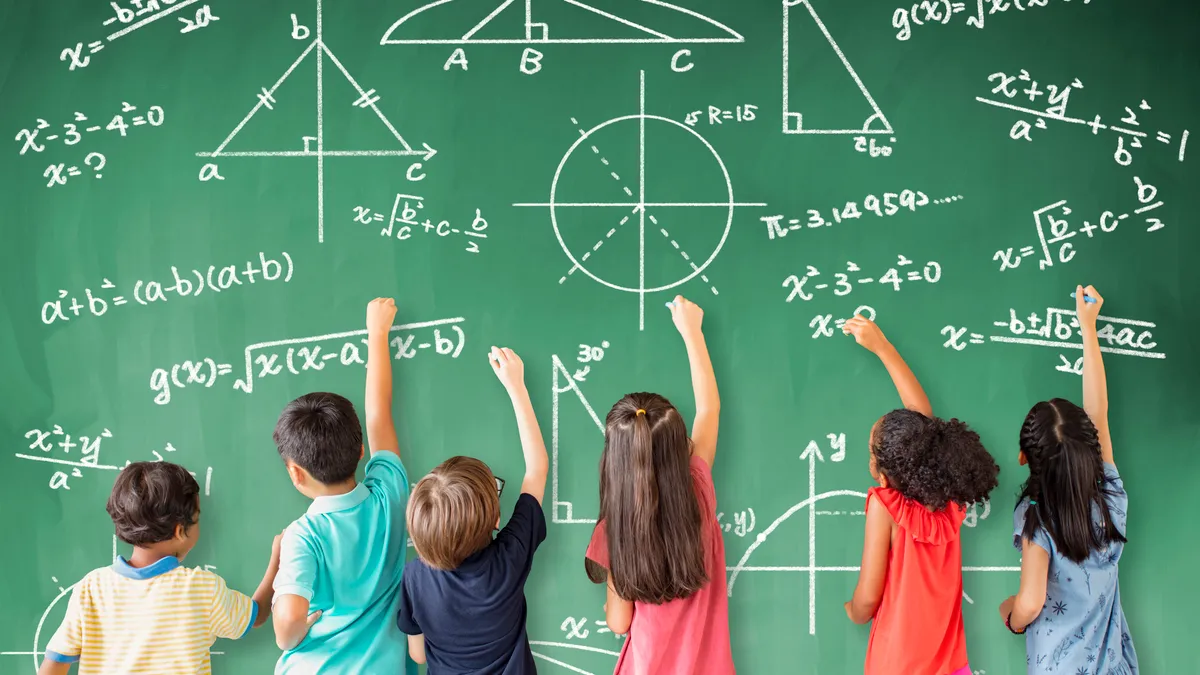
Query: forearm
x,y
912,395
1024,611
381,429
265,594
533,445
1095,383
862,608
704,381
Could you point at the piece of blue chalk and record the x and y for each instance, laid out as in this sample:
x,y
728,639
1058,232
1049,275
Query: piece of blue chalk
x,y
1086,298
670,305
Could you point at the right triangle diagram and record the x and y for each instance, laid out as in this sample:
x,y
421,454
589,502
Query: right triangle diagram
x,y
822,93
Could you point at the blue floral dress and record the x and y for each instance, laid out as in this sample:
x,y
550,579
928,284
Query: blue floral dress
x,y
1082,628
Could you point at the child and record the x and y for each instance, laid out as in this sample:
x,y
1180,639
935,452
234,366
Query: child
x,y
463,600
658,544
910,581
149,614
341,560
1070,527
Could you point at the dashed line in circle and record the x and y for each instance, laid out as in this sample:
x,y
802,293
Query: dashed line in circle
x,y
682,252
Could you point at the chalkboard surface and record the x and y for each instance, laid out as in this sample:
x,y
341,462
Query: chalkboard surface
x,y
200,197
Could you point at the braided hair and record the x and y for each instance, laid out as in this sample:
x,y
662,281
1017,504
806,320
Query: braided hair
x,y
1066,483
931,460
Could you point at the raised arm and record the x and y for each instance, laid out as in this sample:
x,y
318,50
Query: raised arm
x,y
688,318
511,371
867,334
381,429
1095,383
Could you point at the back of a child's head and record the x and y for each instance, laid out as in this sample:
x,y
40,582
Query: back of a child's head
x,y
321,434
453,511
1066,479
150,501
932,461
648,503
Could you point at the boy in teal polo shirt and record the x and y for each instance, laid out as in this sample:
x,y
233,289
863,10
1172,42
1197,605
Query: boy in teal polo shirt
x,y
338,585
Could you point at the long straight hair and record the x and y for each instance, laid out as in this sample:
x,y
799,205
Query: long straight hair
x,y
1066,479
648,503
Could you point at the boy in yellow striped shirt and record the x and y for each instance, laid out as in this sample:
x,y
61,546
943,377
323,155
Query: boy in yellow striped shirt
x,y
149,614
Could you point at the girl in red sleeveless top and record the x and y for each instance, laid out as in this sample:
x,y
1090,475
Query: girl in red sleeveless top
x,y
658,545
910,584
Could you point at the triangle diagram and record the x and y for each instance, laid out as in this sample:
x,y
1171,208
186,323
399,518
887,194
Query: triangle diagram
x,y
315,93
555,21
563,511
822,93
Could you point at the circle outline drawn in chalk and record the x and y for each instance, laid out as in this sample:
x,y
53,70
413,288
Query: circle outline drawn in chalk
x,y
699,269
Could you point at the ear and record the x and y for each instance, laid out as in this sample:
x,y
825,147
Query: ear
x,y
298,475
1021,458
180,532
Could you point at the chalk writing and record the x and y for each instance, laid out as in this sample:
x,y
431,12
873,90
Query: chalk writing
x,y
74,132
1055,244
1059,329
844,284
404,221
940,12
823,325
577,628
716,116
588,355
891,203
742,525
873,147
304,354
977,512
1057,97
59,174
181,285
132,15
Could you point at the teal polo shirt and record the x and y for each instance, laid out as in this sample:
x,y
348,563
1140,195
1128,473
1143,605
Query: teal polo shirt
x,y
345,556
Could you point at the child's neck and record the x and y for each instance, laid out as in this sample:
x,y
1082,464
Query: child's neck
x,y
144,556
334,489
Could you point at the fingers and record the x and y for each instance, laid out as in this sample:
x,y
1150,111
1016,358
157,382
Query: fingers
x,y
1091,291
312,618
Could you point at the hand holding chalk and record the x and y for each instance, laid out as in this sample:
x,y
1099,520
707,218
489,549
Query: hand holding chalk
x,y
1087,306
1087,298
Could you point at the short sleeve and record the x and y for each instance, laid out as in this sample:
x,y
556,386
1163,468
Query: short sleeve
x,y
406,621
67,643
1117,498
597,550
524,532
386,475
706,492
231,614
297,565
1040,537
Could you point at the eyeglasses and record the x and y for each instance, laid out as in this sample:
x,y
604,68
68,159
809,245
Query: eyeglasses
x,y
499,486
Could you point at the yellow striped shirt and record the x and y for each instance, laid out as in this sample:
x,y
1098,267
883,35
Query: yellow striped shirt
x,y
162,618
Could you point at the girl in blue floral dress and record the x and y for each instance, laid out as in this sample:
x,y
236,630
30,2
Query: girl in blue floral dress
x,y
1070,527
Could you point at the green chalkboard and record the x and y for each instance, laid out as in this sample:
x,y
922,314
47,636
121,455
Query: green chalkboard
x,y
200,197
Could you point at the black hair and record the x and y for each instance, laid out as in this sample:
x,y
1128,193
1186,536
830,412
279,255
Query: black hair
x,y
933,461
1066,483
321,434
150,500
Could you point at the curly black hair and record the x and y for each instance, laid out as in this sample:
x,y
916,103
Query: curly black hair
x,y
933,461
149,499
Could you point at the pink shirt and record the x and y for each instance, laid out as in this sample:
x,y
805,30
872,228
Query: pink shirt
x,y
688,636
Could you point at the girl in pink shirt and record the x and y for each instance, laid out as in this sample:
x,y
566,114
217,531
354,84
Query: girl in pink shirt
x,y
658,545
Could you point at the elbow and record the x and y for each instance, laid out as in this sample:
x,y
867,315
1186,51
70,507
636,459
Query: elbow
x,y
619,627
1026,609
863,612
418,657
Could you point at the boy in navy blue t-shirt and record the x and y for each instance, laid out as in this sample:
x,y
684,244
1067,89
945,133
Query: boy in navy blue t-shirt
x,y
462,603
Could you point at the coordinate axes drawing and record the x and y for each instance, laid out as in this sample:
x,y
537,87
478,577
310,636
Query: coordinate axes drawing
x,y
314,146
640,208
538,33
793,116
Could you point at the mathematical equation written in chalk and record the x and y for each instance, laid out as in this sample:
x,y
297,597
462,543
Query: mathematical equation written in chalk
x,y
1059,329
716,116
1059,229
825,326
742,524
580,628
298,355
405,220
75,132
843,283
55,446
144,292
132,15
1129,135
940,12
891,203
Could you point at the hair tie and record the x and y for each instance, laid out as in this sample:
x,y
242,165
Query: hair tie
x,y
1033,502
641,411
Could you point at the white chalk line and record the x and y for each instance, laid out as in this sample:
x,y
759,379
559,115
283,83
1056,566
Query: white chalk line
x,y
1109,319
362,93
565,645
684,254
320,129
64,462
723,205
642,199
262,101
1058,117
572,41
488,19
806,569
557,368
556,662
735,36
1069,345
616,18
323,153
595,248
150,19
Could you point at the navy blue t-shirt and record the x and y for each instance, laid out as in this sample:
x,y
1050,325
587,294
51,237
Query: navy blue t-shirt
x,y
473,617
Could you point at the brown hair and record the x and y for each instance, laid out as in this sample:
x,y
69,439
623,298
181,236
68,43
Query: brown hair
x,y
149,499
648,503
452,512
